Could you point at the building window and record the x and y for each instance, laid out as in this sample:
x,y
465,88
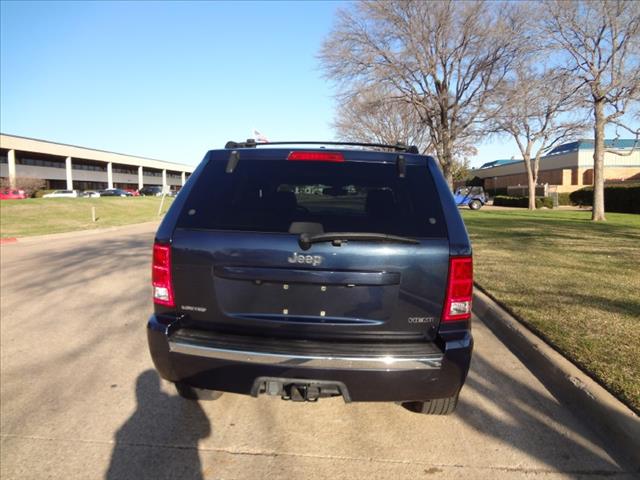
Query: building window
x,y
82,166
56,184
37,162
127,171
83,185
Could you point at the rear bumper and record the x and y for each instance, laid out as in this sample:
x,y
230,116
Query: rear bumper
x,y
380,374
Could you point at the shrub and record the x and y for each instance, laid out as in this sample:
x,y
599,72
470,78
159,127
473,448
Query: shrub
x,y
564,199
543,202
504,201
582,197
617,198
29,185
622,199
522,202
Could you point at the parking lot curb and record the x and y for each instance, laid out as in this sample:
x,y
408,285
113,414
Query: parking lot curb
x,y
8,240
588,400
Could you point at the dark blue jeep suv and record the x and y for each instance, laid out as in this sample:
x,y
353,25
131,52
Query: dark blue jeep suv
x,y
314,272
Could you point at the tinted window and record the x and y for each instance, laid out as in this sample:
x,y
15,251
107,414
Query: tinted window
x,y
269,195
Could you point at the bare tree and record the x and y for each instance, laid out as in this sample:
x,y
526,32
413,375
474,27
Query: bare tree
x,y
373,116
538,109
460,169
28,184
601,39
444,58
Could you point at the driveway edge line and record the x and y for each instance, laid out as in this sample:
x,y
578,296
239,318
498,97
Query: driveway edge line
x,y
583,396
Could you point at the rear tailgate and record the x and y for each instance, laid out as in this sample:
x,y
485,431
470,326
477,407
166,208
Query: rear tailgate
x,y
238,266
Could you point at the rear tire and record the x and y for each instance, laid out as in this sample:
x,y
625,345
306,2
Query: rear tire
x,y
192,393
475,204
438,406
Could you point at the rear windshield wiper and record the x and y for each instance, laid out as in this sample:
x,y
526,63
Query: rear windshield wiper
x,y
336,238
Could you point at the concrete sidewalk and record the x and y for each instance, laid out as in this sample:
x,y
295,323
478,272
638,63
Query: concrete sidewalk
x,y
593,404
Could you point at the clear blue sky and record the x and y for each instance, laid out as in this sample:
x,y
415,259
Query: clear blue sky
x,y
169,80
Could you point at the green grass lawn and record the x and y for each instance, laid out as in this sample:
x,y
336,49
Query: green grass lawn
x,y
575,282
37,216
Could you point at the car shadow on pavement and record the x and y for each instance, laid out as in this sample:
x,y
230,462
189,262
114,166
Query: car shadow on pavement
x,y
77,267
160,439
516,414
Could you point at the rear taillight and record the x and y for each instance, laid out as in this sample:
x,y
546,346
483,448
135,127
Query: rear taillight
x,y
457,305
316,156
161,275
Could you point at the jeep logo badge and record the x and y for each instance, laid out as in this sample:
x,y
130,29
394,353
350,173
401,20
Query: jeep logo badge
x,y
306,259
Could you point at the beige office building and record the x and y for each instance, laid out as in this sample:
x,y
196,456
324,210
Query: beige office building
x,y
566,168
71,167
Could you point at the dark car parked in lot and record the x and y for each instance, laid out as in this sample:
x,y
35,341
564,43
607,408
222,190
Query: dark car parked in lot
x,y
310,272
114,192
151,191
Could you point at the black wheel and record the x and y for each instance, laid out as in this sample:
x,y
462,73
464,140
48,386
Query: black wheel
x,y
475,204
438,406
192,393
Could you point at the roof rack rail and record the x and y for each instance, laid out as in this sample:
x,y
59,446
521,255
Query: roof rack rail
x,y
251,143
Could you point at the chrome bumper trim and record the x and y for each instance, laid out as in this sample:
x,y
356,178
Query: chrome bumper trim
x,y
388,363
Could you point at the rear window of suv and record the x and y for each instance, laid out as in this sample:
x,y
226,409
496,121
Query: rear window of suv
x,y
269,195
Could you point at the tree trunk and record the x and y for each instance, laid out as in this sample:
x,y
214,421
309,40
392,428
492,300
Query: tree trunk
x,y
445,156
597,214
444,160
535,168
531,181
448,175
532,193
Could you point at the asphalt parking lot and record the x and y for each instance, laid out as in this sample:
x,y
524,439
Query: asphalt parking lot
x,y
80,398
